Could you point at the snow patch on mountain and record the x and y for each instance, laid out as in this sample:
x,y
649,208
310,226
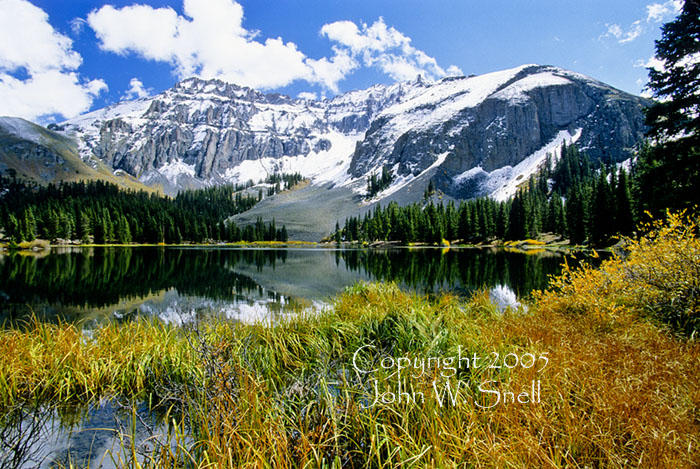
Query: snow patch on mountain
x,y
443,100
502,183
130,111
325,166
22,129
401,181
517,90
176,168
205,132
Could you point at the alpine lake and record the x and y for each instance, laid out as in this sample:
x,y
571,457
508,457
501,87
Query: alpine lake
x,y
92,286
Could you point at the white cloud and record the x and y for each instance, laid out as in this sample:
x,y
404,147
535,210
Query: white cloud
x,y
77,25
454,71
209,41
653,62
633,33
658,12
139,28
386,48
331,72
622,36
50,92
136,90
613,30
45,60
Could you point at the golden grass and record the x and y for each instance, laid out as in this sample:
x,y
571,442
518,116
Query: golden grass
x,y
619,386
60,363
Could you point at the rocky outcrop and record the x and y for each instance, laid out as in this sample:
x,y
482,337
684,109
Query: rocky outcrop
x,y
519,117
492,121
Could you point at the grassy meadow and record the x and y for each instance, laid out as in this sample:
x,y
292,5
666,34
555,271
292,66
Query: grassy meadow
x,y
601,370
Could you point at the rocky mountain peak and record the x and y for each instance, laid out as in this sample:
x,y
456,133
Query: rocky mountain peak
x,y
203,132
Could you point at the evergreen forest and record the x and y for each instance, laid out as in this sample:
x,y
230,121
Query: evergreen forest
x,y
101,212
573,198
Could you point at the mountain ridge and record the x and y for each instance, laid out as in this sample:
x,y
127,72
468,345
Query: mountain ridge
x,y
472,136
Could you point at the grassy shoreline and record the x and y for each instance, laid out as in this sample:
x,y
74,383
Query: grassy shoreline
x,y
520,245
599,370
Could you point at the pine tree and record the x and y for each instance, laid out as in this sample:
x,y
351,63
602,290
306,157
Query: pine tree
x,y
123,231
13,229
668,173
84,228
623,212
284,237
99,231
516,221
602,211
464,223
29,225
555,220
576,206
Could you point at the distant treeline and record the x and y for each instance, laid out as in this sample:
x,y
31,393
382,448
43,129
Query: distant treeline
x,y
102,212
282,182
574,198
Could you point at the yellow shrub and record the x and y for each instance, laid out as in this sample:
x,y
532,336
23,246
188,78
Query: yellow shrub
x,y
657,275
534,241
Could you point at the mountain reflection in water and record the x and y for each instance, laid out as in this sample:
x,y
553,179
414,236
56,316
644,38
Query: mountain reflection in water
x,y
248,284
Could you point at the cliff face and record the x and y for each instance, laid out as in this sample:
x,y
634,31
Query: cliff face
x,y
517,116
31,152
210,132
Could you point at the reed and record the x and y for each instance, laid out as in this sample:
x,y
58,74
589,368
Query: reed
x,y
60,363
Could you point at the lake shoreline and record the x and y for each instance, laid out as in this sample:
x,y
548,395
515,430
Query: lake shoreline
x,y
515,246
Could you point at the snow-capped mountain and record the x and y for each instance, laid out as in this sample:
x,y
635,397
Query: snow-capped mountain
x,y
211,132
472,135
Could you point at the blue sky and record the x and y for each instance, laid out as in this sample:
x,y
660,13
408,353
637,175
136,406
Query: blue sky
x,y
61,58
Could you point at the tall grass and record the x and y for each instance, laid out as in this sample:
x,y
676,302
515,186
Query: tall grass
x,y
61,363
617,372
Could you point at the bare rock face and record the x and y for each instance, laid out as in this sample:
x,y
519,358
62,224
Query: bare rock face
x,y
515,119
202,132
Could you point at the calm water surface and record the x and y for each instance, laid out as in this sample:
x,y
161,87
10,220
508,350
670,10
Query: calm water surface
x,y
175,284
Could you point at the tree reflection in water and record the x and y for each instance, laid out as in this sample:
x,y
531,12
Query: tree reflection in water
x,y
73,281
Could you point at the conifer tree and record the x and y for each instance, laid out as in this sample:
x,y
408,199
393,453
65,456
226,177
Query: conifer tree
x,y
623,212
602,210
668,173
29,225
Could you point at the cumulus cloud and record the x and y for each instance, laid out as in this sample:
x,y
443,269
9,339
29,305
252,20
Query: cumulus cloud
x,y
210,41
386,48
38,66
136,90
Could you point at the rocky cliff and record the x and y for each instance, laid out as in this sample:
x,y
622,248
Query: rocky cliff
x,y
472,136
477,126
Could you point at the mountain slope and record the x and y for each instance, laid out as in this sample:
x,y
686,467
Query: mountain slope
x,y
470,136
29,151
497,121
